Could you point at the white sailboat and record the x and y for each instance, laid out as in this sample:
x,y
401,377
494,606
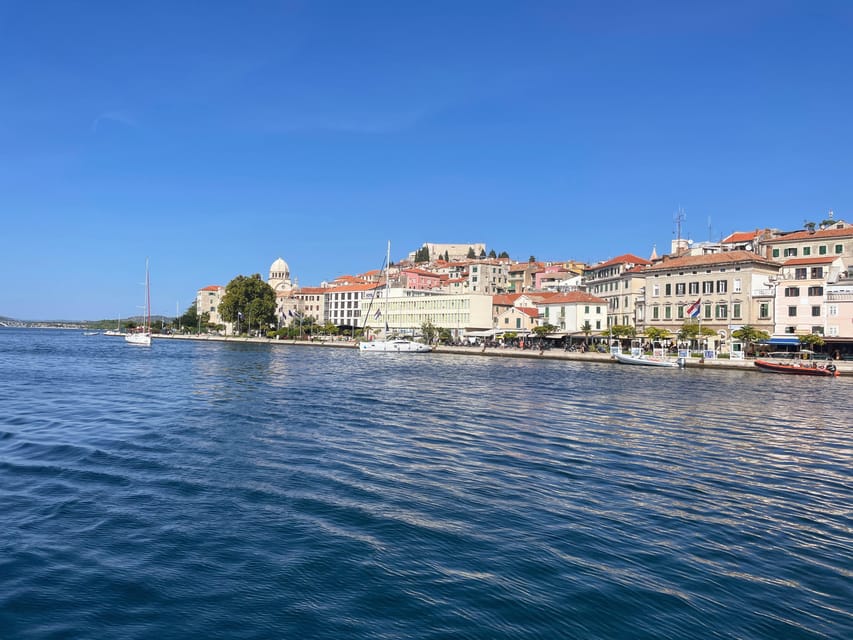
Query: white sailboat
x,y
388,344
143,337
115,332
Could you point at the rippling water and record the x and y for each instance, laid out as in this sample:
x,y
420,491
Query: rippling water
x,y
247,491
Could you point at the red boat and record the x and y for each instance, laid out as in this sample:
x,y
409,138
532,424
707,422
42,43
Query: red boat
x,y
799,363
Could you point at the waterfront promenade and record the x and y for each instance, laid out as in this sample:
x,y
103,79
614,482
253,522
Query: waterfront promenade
x,y
845,368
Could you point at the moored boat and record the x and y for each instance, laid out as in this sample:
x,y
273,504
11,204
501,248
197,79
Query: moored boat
x,y
648,361
391,344
800,363
395,345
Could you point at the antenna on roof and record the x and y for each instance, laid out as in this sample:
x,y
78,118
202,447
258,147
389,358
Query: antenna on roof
x,y
680,216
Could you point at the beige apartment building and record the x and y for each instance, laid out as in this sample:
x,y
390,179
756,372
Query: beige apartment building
x,y
207,300
733,288
620,283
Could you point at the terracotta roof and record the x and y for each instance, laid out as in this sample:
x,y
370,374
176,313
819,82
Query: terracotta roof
x,y
627,258
364,286
312,290
505,299
846,232
811,260
741,236
533,313
212,287
710,259
421,272
572,297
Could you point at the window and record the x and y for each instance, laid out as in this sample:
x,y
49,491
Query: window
x,y
708,286
707,312
817,272
815,310
655,290
822,249
722,286
815,291
586,309
722,312
789,329
839,248
693,288
598,309
655,313
667,289
800,273
736,310
807,251
792,312
832,310
775,253
667,312
764,311
518,323
680,288
736,285
792,292
790,252
817,330
598,324
680,311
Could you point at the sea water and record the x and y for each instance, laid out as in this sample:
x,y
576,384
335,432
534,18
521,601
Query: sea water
x,y
224,490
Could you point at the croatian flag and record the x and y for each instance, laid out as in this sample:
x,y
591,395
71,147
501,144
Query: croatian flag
x,y
377,315
693,309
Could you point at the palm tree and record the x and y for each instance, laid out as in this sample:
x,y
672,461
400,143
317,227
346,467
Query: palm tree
x,y
587,329
749,335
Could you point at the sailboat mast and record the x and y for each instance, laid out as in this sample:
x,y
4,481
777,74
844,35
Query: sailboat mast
x,y
387,285
148,295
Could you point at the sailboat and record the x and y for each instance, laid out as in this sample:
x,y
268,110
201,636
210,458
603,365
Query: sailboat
x,y
143,337
116,331
392,345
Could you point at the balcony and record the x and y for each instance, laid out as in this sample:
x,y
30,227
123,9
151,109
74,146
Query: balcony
x,y
763,293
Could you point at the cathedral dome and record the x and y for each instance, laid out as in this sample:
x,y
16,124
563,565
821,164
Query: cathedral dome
x,y
280,268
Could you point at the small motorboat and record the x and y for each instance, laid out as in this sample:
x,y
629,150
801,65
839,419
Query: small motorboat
x,y
648,361
800,363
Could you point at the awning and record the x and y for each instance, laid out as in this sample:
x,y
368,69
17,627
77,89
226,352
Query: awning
x,y
786,340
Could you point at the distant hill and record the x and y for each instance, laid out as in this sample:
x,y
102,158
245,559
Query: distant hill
x,y
79,324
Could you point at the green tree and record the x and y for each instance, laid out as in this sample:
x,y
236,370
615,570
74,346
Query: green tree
x,y
189,321
446,256
429,331
330,329
249,300
471,254
503,254
586,327
532,259
812,340
492,254
691,330
623,331
656,334
482,253
444,335
542,330
749,335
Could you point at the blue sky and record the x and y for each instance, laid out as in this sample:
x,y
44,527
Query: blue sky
x,y
215,137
